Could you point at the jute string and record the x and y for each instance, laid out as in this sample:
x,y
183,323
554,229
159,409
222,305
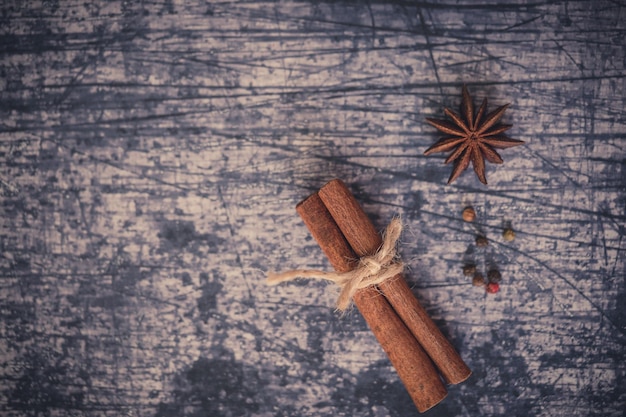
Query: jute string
x,y
370,270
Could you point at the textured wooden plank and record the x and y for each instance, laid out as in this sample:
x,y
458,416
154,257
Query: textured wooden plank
x,y
152,154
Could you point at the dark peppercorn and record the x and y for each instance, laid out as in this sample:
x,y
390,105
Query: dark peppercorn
x,y
478,280
494,276
469,270
481,241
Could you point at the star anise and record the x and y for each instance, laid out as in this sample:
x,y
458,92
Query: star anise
x,y
472,138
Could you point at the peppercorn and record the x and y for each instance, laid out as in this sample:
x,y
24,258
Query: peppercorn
x,y
478,280
494,276
469,270
508,234
493,287
469,215
481,241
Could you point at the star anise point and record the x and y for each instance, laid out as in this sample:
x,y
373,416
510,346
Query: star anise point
x,y
472,137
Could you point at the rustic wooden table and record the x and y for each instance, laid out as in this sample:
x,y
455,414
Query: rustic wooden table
x,y
152,153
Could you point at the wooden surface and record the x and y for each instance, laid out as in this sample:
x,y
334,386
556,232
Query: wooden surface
x,y
152,154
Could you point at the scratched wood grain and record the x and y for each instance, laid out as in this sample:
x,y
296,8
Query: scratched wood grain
x,y
152,153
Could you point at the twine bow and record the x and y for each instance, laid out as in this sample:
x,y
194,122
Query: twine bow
x,y
370,270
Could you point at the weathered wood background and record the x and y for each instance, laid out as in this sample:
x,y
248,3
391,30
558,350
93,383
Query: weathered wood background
x,y
152,153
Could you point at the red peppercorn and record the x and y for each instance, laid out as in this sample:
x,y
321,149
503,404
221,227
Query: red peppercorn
x,y
493,287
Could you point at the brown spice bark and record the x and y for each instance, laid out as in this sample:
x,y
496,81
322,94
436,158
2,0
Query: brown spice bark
x,y
412,364
365,240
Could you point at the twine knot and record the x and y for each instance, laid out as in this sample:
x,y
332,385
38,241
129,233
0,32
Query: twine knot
x,y
370,270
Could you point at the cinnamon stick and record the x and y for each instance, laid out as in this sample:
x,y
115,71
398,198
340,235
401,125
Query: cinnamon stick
x,y
359,231
410,361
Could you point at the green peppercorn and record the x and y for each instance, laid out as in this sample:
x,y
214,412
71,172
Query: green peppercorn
x,y
508,234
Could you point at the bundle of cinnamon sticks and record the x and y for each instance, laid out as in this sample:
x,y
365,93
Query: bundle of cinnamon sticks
x,y
414,344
